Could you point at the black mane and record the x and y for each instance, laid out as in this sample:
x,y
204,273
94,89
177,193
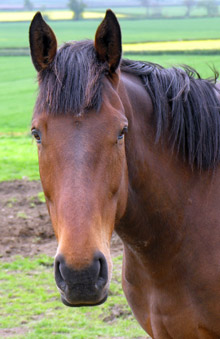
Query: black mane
x,y
73,81
186,107
186,110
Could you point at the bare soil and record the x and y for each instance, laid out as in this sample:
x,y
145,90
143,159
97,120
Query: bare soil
x,y
25,227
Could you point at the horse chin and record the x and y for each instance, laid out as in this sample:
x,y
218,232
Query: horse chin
x,y
83,303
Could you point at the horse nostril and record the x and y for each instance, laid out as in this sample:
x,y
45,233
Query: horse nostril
x,y
82,286
103,272
60,281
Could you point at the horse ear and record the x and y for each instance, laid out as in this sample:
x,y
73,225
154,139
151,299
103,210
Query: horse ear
x,y
43,42
108,41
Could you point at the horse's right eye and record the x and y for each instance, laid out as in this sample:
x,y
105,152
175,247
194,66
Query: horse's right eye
x,y
36,135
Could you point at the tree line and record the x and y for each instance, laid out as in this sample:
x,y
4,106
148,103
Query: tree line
x,y
211,6
153,7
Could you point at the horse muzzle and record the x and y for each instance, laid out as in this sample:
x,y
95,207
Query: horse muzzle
x,y
85,287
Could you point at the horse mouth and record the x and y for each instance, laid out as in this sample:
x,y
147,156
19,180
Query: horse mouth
x,y
83,302
86,287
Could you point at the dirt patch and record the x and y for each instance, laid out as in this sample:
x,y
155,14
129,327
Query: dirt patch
x,y
25,226
10,332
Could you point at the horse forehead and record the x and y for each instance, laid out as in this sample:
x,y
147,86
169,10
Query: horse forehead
x,y
49,121
88,123
110,113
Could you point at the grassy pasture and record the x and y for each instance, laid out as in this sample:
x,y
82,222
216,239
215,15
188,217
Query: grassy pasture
x,y
12,16
18,158
166,11
18,90
15,35
97,13
202,63
170,46
31,303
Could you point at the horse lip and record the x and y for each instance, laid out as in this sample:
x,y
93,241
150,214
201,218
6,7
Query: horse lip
x,y
81,304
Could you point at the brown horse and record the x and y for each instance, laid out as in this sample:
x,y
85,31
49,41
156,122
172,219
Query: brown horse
x,y
134,147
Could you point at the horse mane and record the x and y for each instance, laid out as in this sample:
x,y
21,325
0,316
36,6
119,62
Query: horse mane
x,y
186,108
72,82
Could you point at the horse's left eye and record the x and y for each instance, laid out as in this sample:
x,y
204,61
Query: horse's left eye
x,y
121,135
36,135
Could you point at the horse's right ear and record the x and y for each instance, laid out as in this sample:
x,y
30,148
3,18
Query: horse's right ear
x,y
43,43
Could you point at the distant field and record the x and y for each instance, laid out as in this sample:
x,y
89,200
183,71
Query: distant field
x,y
169,12
202,63
96,13
51,15
15,35
169,46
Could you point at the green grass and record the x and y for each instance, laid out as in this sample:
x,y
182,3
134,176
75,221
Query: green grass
x,y
202,63
166,11
29,300
16,34
17,94
18,158
166,30
18,89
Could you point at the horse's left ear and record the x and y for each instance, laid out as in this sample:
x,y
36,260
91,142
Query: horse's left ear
x,y
108,41
43,42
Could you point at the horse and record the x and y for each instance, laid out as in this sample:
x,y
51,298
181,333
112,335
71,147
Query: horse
x,y
133,147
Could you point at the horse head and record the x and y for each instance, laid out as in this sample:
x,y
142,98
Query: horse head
x,y
79,124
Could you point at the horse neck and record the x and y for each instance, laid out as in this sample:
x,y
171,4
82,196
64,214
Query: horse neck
x,y
160,183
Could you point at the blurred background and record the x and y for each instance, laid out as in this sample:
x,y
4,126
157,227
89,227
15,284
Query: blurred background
x,y
167,32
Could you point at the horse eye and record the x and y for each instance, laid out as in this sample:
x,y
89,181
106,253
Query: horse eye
x,y
36,135
121,135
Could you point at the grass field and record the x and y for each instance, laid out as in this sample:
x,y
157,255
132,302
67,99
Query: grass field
x,y
168,12
15,35
171,46
18,90
51,15
18,158
31,303
97,13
